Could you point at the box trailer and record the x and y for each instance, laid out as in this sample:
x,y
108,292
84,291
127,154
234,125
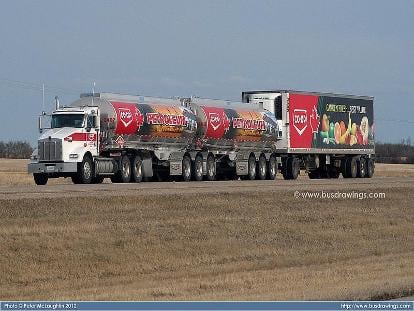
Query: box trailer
x,y
326,134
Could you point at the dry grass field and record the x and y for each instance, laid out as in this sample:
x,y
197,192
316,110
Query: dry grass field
x,y
239,245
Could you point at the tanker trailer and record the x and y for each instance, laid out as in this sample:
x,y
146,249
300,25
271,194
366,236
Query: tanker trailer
x,y
233,139
125,138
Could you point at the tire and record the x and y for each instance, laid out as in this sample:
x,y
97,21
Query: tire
x,y
351,168
292,168
272,168
252,168
187,169
314,174
344,167
85,172
137,169
98,180
198,168
40,179
362,168
333,172
370,168
211,168
262,167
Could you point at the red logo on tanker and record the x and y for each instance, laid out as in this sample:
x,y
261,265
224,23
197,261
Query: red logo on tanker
x,y
303,119
217,122
129,117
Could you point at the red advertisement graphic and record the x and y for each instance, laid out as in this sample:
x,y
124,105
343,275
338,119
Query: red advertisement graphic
x,y
303,119
129,118
217,122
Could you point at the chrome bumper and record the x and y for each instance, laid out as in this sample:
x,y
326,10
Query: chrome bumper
x,y
68,167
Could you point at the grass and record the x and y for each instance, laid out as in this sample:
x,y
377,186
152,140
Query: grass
x,y
242,246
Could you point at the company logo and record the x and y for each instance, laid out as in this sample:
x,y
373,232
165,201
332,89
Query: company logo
x,y
300,120
125,116
215,120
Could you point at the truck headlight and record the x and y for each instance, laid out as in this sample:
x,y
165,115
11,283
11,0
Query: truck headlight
x,y
34,157
73,156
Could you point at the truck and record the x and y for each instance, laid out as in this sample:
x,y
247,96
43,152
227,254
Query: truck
x,y
134,138
324,134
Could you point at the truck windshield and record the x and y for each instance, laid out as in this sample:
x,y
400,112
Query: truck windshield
x,y
67,120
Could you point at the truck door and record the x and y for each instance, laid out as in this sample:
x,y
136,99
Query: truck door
x,y
92,134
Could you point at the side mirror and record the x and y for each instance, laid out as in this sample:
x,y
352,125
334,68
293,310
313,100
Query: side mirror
x,y
39,124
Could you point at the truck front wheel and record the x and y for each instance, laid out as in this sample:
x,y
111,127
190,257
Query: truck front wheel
x,y
85,172
40,179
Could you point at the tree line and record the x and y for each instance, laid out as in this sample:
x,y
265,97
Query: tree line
x,y
15,150
384,152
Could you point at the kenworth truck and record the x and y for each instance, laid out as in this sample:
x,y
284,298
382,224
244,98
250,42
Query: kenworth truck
x,y
131,138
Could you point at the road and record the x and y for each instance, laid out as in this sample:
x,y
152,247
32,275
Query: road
x,y
155,188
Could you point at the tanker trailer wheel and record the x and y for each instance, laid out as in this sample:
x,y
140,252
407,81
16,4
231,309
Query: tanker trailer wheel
x,y
370,168
262,167
85,171
40,179
198,168
292,168
186,168
211,168
362,168
351,168
272,168
252,168
137,169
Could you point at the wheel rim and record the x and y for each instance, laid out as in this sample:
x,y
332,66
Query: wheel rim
x,y
125,169
199,168
263,168
272,168
187,169
252,167
211,168
137,169
87,170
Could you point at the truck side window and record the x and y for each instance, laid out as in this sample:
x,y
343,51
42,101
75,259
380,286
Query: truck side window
x,y
278,108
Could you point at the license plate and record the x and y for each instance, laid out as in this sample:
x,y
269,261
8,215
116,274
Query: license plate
x,y
50,168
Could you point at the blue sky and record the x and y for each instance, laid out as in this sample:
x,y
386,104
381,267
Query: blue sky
x,y
207,48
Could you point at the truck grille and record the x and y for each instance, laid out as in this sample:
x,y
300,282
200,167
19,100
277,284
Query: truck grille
x,y
50,149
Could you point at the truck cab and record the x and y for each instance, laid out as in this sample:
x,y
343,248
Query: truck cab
x,y
63,145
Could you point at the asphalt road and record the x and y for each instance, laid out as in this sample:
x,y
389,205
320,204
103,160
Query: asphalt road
x,y
156,188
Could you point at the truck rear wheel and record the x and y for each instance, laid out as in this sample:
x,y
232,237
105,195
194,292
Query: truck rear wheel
x,y
252,168
362,168
272,168
211,168
85,171
351,168
198,168
40,179
262,167
137,169
186,168
292,168
370,168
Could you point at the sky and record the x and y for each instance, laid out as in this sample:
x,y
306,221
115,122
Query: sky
x,y
213,49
